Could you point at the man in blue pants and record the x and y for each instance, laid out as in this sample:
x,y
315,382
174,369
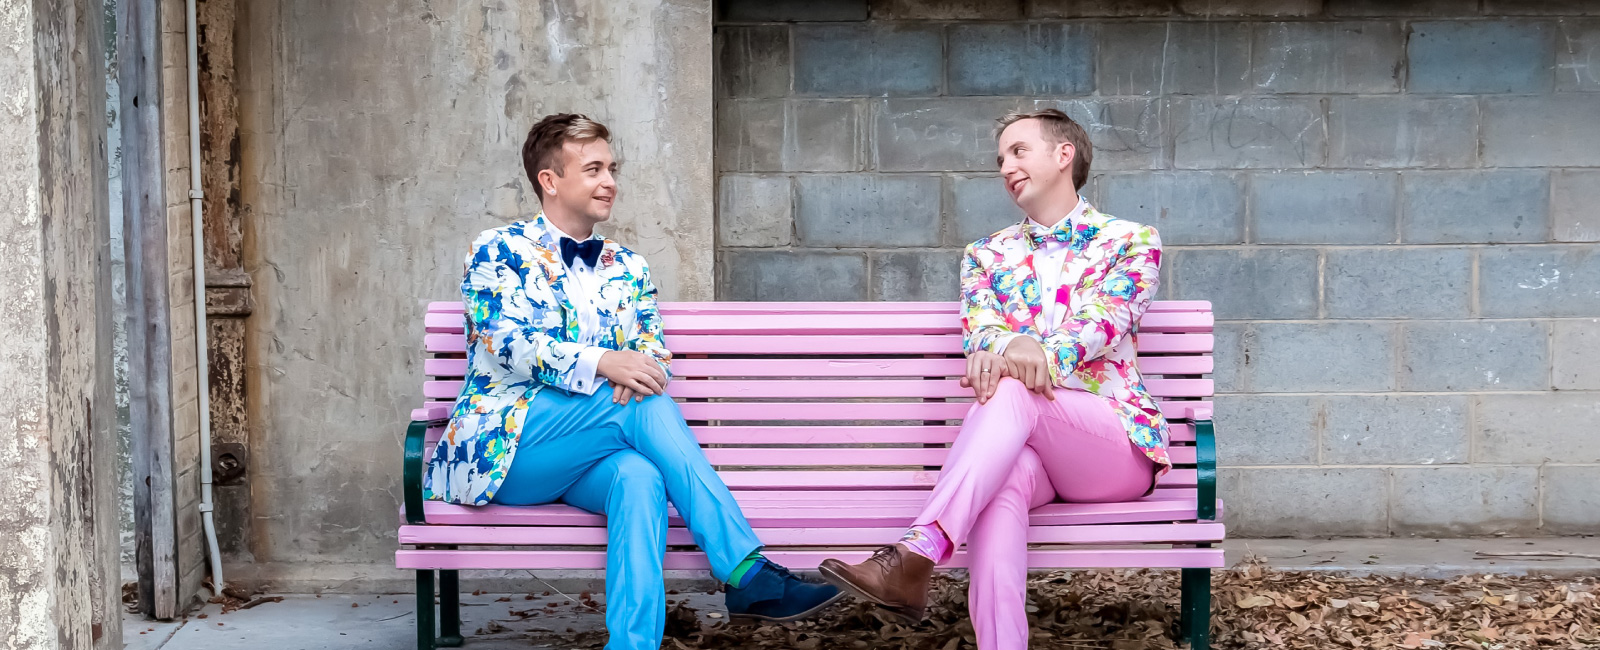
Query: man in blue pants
x,y
565,398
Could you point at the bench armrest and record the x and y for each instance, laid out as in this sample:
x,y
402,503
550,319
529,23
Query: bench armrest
x,y
1205,461
415,451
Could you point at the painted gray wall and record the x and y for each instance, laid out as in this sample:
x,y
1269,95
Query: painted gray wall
x,y
378,140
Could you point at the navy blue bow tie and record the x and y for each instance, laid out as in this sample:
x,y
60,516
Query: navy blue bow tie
x,y
588,249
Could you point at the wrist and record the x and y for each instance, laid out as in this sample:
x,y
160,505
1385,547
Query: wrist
x,y
602,360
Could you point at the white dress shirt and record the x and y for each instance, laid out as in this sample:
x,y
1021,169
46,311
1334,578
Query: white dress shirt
x,y
583,291
1048,261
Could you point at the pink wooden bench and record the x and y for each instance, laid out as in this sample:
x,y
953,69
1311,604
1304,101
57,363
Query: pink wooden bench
x,y
806,406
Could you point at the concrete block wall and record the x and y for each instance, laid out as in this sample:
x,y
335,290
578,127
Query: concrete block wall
x,y
1393,206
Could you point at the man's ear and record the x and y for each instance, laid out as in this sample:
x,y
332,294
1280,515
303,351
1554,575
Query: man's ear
x,y
547,182
1065,155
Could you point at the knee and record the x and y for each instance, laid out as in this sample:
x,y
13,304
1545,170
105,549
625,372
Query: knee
x,y
1029,465
1010,388
1008,395
638,482
657,407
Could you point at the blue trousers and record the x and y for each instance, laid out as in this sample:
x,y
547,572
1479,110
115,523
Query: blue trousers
x,y
626,461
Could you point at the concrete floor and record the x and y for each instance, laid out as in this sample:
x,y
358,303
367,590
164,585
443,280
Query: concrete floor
x,y
386,621
360,621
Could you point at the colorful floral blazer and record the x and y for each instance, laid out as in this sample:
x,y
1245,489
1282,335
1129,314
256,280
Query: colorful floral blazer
x,y
521,330
1111,274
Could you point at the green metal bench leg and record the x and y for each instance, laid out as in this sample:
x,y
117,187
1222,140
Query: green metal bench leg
x,y
1194,617
449,610
425,610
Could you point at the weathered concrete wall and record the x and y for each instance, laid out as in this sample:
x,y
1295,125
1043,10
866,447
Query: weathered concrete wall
x,y
1392,206
58,513
377,140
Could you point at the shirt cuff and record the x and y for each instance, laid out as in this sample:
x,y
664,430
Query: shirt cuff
x,y
1000,345
583,377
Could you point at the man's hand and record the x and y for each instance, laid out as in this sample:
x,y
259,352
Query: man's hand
x,y
1026,360
984,370
621,394
631,371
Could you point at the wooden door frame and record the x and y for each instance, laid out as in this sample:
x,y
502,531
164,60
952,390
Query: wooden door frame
x,y
139,69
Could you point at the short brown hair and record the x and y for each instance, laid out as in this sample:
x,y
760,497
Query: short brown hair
x,y
542,149
1058,128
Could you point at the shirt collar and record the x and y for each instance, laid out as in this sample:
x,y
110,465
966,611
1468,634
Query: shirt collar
x,y
558,233
1076,212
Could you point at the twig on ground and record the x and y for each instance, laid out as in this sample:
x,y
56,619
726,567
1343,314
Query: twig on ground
x,y
563,594
1586,556
262,600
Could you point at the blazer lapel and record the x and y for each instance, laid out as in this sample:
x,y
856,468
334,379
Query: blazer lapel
x,y
1027,284
616,289
556,272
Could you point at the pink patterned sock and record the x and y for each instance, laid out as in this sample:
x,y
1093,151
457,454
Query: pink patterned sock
x,y
928,541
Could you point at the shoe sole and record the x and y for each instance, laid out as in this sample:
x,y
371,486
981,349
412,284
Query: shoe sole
x,y
908,614
750,619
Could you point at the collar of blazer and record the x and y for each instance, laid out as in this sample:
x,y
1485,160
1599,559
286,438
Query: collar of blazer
x,y
544,236
1025,278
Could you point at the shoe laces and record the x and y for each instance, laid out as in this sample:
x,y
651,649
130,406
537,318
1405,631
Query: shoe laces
x,y
888,556
783,572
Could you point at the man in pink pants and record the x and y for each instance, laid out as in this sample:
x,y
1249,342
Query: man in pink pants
x,y
1050,307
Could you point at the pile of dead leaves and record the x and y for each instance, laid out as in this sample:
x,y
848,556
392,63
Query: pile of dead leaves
x,y
1252,607
1263,608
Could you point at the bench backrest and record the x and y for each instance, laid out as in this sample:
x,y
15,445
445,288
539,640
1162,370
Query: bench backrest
x,y
849,396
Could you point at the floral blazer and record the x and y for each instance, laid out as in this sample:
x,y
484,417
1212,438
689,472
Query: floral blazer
x,y
521,330
1111,274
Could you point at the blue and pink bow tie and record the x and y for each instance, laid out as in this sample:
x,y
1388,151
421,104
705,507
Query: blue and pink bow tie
x,y
1077,234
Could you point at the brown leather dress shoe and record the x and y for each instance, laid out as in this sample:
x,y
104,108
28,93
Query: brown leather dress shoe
x,y
894,578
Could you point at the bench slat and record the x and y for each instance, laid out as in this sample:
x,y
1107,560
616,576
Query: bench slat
x,y
878,510
747,456
1175,558
847,435
830,307
840,388
830,411
841,435
916,496
677,536
816,411
814,367
858,456
844,435
841,459
942,323
947,322
719,307
800,479
840,344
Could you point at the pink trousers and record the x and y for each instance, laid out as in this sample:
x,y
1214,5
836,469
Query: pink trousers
x,y
1017,452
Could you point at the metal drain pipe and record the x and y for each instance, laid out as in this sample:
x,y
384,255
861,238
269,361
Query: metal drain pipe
x,y
202,348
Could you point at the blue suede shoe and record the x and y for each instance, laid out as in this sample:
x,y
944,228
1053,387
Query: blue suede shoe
x,y
774,594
